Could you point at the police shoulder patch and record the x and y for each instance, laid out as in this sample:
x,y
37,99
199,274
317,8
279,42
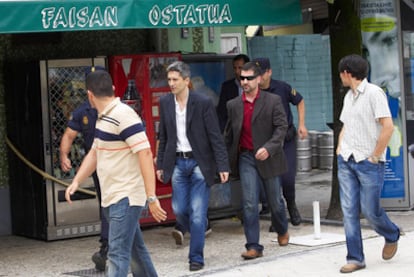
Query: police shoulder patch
x,y
293,91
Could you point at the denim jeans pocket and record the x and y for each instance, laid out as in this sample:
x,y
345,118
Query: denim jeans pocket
x,y
120,209
367,165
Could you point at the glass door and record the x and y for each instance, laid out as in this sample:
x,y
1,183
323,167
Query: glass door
x,y
407,28
63,90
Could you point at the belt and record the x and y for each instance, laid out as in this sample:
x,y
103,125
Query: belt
x,y
185,155
242,149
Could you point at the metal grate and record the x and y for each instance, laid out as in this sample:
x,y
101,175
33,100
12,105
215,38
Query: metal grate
x,y
87,273
66,89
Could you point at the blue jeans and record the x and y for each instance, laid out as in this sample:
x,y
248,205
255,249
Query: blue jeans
x,y
126,244
360,187
190,197
250,184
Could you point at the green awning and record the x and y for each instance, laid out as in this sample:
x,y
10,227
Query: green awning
x,y
20,16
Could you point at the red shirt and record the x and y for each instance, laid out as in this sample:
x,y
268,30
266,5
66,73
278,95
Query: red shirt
x,y
246,140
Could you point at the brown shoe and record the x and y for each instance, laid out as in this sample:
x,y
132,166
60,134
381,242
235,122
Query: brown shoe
x,y
348,268
252,254
283,240
389,250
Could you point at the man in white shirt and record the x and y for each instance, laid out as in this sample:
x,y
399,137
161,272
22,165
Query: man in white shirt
x,y
367,129
191,152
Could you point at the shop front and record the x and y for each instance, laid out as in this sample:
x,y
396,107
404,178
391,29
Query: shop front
x,y
63,38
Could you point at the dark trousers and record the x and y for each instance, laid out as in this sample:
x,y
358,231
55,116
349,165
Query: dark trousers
x,y
288,179
104,221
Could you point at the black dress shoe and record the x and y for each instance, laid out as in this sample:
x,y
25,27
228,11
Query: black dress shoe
x,y
100,257
265,210
295,218
195,266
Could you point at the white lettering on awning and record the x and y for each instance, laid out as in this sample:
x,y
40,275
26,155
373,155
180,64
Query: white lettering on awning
x,y
190,14
54,17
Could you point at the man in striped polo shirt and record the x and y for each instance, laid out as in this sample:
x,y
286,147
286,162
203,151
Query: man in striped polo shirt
x,y
122,157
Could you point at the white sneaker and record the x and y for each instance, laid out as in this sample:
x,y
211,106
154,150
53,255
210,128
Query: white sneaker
x,y
178,236
208,231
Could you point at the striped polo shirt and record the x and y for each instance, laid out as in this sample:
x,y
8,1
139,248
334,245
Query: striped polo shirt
x,y
360,115
119,135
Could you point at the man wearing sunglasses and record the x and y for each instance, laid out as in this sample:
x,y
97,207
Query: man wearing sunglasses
x,y
288,96
254,135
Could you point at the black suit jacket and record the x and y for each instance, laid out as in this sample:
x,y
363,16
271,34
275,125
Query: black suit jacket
x,y
203,133
229,90
269,126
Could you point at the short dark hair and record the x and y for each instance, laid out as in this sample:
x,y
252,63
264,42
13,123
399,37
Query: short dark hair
x,y
252,66
180,67
354,64
243,57
99,82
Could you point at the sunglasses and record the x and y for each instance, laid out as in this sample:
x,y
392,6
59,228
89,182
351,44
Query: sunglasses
x,y
248,78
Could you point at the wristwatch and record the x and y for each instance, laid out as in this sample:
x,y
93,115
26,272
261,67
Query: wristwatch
x,y
151,199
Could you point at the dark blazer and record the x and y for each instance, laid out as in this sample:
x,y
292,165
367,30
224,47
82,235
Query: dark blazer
x,y
229,90
203,133
269,128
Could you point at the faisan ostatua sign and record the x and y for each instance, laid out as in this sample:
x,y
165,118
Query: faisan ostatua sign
x,y
190,14
63,15
179,15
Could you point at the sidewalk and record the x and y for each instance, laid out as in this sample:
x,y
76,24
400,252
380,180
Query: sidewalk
x,y
20,256
326,262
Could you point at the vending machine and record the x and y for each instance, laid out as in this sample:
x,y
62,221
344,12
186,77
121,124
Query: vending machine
x,y
40,97
147,72
144,77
